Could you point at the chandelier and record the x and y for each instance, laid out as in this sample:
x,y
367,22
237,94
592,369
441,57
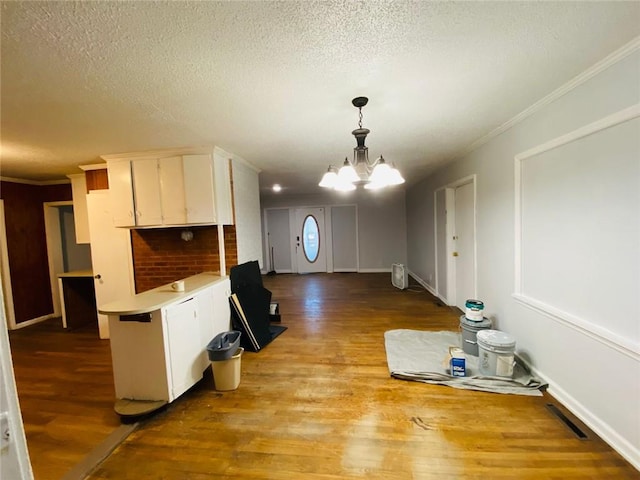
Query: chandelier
x,y
373,175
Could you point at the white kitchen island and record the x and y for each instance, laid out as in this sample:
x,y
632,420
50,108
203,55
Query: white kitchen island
x,y
159,339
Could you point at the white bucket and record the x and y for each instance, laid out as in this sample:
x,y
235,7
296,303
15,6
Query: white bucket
x,y
474,310
496,353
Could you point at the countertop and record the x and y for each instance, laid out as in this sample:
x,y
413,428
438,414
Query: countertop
x,y
161,296
77,273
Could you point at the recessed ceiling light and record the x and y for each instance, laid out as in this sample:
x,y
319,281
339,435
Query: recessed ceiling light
x,y
277,188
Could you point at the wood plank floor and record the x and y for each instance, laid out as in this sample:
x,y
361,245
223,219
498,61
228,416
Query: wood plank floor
x,y
318,403
65,387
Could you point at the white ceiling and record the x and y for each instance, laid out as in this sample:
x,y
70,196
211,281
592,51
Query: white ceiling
x,y
273,81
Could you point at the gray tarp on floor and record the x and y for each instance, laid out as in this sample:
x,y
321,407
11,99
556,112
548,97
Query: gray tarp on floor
x,y
419,356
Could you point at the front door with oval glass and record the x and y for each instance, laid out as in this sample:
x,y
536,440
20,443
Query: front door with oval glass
x,y
310,241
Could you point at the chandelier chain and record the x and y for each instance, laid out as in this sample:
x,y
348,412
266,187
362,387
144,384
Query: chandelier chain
x,y
360,121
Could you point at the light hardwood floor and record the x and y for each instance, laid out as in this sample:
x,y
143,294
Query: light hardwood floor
x,y
318,403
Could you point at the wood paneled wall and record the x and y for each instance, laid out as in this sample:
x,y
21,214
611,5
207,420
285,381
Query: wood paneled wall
x,y
97,179
27,245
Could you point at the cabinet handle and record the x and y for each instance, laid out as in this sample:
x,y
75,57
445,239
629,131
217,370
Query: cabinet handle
x,y
97,277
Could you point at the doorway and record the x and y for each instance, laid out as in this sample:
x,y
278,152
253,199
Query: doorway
x,y
311,245
464,244
455,240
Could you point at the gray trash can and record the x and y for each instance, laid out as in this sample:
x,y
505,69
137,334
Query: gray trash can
x,y
225,355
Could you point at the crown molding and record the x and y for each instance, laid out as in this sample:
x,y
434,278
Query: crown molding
x,y
39,183
93,166
591,72
165,152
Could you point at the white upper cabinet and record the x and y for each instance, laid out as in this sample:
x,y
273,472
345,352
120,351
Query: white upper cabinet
x,y
121,196
146,192
155,190
172,186
199,191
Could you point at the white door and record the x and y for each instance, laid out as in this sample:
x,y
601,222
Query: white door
x,y
14,456
110,256
279,240
310,240
464,245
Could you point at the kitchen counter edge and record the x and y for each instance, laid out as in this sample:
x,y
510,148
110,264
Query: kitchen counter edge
x,y
159,297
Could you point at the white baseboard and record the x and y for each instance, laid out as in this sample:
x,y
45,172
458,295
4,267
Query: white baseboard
x,y
375,270
630,452
427,287
33,321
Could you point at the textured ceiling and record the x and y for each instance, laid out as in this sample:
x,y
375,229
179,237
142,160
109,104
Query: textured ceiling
x,y
273,81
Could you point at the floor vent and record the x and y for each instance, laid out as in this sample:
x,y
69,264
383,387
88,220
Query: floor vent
x,y
574,428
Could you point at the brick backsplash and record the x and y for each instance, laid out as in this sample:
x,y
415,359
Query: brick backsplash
x,y
230,247
160,256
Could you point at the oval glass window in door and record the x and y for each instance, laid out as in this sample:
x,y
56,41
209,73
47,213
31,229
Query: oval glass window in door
x,y
310,238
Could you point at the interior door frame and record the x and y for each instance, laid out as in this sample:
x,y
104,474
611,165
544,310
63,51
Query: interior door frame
x,y
54,249
449,246
5,273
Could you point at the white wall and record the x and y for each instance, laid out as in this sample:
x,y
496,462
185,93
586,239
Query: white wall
x,y
381,222
571,338
246,196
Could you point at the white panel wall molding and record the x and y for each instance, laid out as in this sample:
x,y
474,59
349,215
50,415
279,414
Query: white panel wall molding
x,y
599,67
628,347
596,332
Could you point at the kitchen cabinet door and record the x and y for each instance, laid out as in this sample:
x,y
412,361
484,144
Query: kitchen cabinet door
x,y
146,190
174,209
183,346
198,188
121,197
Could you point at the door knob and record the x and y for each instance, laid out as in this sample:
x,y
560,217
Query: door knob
x,y
455,254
